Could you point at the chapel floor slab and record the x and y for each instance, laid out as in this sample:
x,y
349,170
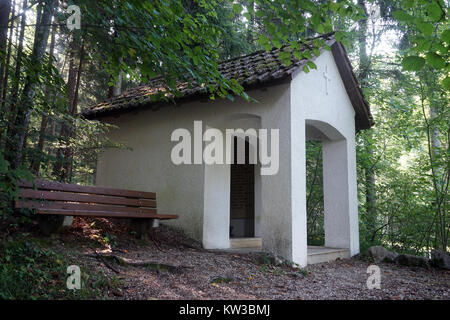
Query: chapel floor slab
x,y
316,254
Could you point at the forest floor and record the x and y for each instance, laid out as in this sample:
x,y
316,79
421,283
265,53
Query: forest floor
x,y
170,265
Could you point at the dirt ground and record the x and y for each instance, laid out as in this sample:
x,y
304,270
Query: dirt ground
x,y
169,265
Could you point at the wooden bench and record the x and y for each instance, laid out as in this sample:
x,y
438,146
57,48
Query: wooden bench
x,y
62,199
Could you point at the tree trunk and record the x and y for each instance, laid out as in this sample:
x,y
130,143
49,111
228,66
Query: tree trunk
x,y
62,166
5,9
68,152
364,62
32,80
439,172
36,161
16,83
4,84
71,83
4,74
364,71
116,90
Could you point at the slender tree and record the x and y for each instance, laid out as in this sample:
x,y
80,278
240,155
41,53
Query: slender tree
x,y
14,153
37,157
5,9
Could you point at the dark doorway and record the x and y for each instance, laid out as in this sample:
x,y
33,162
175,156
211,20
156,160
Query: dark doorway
x,y
242,196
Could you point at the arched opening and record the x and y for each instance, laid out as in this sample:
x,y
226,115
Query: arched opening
x,y
221,191
327,198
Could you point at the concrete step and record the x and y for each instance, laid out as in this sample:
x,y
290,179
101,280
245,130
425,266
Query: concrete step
x,y
324,254
255,243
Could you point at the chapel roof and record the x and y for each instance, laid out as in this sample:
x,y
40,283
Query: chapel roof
x,y
255,70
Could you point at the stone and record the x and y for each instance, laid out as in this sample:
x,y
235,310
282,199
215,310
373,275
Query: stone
x,y
277,261
68,220
381,254
440,259
412,261
270,259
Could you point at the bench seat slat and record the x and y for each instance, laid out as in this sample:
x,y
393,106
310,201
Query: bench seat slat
x,y
87,198
58,186
108,214
79,206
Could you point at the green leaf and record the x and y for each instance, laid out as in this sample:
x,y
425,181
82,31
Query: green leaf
x,y
422,44
311,64
425,27
237,8
439,47
446,83
315,19
339,35
276,43
408,4
413,63
262,39
435,60
402,16
320,29
284,55
267,47
445,36
298,54
434,11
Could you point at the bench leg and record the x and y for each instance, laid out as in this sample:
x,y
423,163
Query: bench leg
x,y
142,227
49,224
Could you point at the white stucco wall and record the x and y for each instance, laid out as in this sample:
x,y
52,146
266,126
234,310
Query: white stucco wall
x,y
199,194
333,115
180,189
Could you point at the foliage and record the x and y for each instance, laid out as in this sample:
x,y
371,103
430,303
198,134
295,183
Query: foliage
x,y
427,29
314,193
172,39
29,271
292,22
411,172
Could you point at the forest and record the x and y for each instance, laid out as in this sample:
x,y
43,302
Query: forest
x,y
59,57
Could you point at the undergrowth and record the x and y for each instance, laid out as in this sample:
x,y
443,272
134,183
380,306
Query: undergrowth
x,y
30,271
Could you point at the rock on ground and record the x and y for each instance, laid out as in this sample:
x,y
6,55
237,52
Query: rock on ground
x,y
381,254
412,261
440,259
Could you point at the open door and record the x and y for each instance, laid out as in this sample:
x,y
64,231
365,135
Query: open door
x,y
242,196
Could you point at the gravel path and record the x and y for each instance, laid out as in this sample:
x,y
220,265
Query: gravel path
x,y
202,274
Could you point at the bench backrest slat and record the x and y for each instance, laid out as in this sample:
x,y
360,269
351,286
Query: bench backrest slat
x,y
86,198
58,186
80,206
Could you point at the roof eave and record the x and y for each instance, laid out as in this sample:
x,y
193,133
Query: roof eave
x,y
363,117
